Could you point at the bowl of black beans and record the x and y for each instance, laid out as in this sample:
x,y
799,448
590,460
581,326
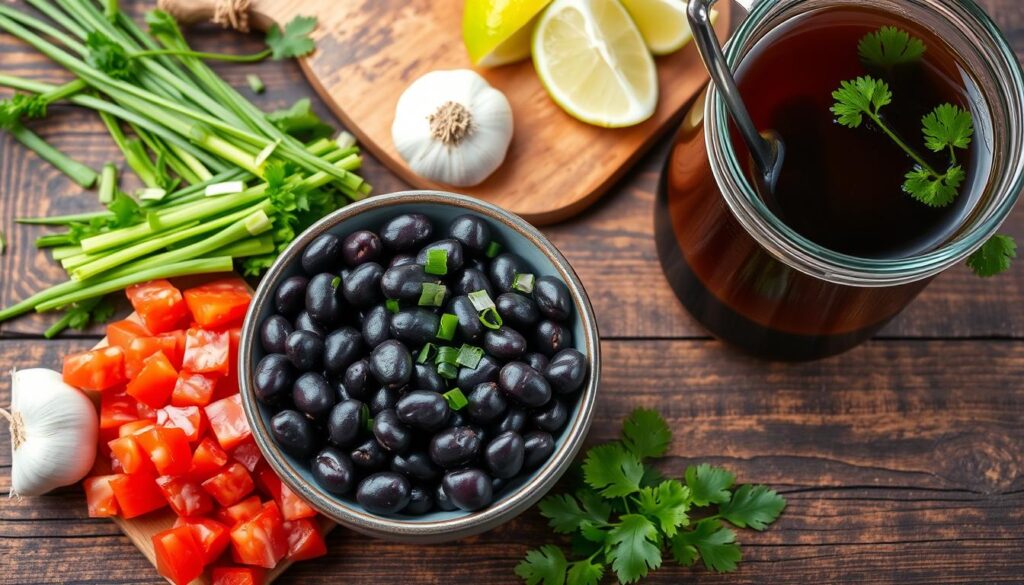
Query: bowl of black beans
x,y
420,366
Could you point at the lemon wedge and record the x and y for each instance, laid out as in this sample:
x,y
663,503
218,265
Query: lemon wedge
x,y
593,61
497,32
662,23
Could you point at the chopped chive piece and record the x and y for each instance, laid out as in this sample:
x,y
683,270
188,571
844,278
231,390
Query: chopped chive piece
x,y
447,355
523,283
369,424
469,356
345,140
108,184
255,83
336,282
364,417
151,194
437,262
493,249
447,371
490,318
481,300
432,295
456,399
266,152
392,305
447,329
225,188
426,354
3,244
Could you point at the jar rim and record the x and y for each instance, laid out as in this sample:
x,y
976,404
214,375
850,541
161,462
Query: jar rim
x,y
818,261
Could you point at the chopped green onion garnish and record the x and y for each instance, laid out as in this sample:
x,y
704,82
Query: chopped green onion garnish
x,y
108,183
490,318
266,152
225,188
523,283
481,300
437,262
364,415
336,282
151,194
3,244
392,305
447,371
255,83
493,249
345,140
447,329
432,295
447,355
426,354
456,399
469,356
257,223
369,425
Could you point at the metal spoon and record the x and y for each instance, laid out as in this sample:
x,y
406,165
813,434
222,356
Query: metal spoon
x,y
766,148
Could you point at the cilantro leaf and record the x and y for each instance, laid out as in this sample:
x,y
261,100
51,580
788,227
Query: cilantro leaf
x,y
709,485
162,23
544,565
859,97
565,515
948,126
890,46
667,504
635,548
20,106
109,57
714,543
934,191
994,256
755,506
126,211
612,470
646,434
294,40
585,572
300,120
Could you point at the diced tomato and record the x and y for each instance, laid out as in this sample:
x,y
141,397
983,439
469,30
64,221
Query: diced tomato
x,y
167,449
154,384
240,512
129,454
178,556
160,305
207,460
248,454
97,370
175,353
207,352
227,421
292,506
268,481
193,389
211,536
261,540
237,576
99,496
137,494
121,333
230,485
141,349
102,464
185,497
186,418
134,427
145,411
116,409
219,304
305,541
229,384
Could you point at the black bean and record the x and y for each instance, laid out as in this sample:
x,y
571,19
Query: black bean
x,y
322,255
406,232
498,484
323,300
524,384
566,371
341,349
405,283
415,466
414,326
552,298
384,493
452,247
471,231
468,489
470,327
369,454
420,502
552,337
424,410
356,380
273,378
290,297
313,395
503,270
361,287
383,399
402,260
390,432
455,446
274,333
485,371
294,433
391,364
425,377
346,421
485,403
442,500
340,392
539,446
504,455
504,343
517,310
376,326
360,247
472,280
515,420
305,350
457,420
536,360
552,417
306,322
333,470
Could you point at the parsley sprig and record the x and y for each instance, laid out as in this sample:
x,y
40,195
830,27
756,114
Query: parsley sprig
x,y
628,516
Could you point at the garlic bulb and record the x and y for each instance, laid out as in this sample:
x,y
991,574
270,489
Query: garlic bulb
x,y
453,127
53,432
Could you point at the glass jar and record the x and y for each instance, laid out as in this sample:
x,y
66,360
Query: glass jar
x,y
757,284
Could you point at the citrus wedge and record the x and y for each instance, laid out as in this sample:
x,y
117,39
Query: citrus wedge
x,y
662,23
497,32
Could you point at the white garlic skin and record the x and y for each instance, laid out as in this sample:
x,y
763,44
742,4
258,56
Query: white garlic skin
x,y
60,432
479,154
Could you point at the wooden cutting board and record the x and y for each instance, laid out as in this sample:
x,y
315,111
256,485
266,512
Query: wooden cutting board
x,y
369,51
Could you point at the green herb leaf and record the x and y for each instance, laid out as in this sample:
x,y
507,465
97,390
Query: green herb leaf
x,y
948,126
646,434
710,540
294,40
709,485
109,57
126,211
613,471
668,504
994,256
860,97
635,548
565,515
585,572
456,399
301,121
890,46
162,23
934,191
755,506
544,565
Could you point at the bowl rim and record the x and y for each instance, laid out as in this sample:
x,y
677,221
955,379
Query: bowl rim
x,y
470,523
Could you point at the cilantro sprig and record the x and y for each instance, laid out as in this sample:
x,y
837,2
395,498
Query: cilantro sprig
x,y
626,517
890,46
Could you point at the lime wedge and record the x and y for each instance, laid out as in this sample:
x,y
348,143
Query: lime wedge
x,y
662,23
594,63
497,32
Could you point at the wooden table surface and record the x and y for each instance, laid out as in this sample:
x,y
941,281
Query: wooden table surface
x,y
902,460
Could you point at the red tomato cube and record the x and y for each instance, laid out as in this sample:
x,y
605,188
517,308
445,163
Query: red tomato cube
x,y
240,512
267,481
187,418
137,494
99,496
121,333
219,304
237,576
292,506
185,497
305,541
141,349
135,427
129,455
160,305
178,557
207,352
175,352
227,421
97,370
167,449
116,409
230,485
248,454
229,384
154,384
261,540
193,389
211,536
207,460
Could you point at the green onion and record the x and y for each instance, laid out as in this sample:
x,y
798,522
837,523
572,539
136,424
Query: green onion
x,y
392,305
3,244
493,249
426,353
456,399
225,188
369,424
469,356
432,295
481,300
490,318
266,152
364,417
79,173
447,371
151,194
345,140
447,355
336,282
523,283
255,83
437,262
108,183
446,330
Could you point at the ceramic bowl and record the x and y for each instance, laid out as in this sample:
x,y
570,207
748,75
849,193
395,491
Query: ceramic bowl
x,y
516,236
